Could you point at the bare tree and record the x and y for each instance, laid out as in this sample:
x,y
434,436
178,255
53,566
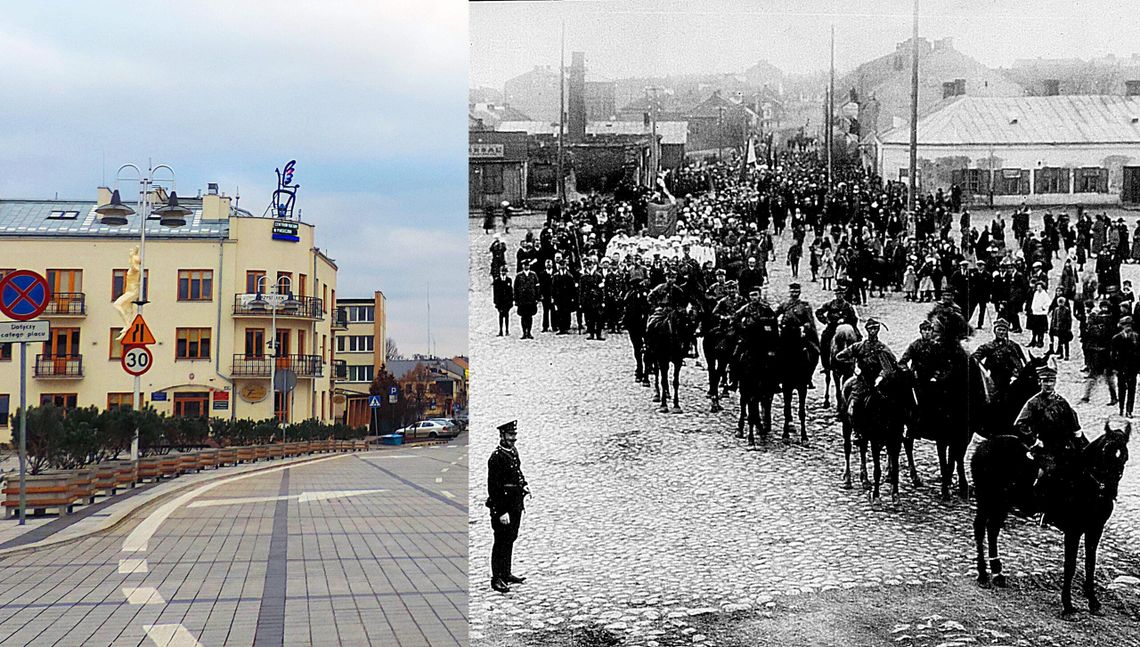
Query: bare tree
x,y
391,351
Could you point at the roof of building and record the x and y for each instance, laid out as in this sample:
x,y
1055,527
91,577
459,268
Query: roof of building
x,y
671,132
399,368
711,107
1067,119
78,218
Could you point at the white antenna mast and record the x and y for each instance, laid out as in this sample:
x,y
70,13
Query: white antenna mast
x,y
429,318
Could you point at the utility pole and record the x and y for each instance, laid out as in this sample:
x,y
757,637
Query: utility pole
x,y
831,113
561,187
655,149
912,192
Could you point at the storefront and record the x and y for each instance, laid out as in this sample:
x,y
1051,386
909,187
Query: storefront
x,y
497,168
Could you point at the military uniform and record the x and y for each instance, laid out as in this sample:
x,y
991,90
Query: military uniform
x,y
873,359
831,314
800,312
506,488
592,287
1003,358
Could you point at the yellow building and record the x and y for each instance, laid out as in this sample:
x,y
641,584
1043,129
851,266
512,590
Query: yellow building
x,y
211,356
360,350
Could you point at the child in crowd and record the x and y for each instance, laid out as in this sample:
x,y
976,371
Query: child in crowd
x,y
910,283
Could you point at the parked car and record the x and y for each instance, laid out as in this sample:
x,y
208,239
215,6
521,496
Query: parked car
x,y
460,425
429,429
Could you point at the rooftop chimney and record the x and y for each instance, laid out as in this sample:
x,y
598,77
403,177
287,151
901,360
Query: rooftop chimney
x,y
1052,87
1131,88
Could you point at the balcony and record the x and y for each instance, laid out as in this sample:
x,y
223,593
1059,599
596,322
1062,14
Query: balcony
x,y
340,319
67,304
257,305
255,366
340,369
59,366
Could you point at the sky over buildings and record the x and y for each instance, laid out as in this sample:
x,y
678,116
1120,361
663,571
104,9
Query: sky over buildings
x,y
368,97
658,37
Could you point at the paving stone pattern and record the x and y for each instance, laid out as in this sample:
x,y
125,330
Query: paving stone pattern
x,y
641,520
385,568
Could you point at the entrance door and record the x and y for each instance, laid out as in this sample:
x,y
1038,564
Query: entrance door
x,y
62,345
1130,191
192,405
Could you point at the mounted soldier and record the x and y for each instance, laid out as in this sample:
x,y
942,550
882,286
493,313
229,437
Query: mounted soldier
x,y
837,311
1002,357
874,361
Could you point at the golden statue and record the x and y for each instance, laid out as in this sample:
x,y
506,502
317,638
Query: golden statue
x,y
125,304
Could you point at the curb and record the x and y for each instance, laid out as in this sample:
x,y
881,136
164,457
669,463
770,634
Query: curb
x,y
130,512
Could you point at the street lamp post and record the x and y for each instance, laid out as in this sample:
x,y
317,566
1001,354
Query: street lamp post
x,y
115,214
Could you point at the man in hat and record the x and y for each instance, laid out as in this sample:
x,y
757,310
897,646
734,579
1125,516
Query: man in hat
x,y
506,489
1002,357
873,359
751,276
592,290
1050,425
837,311
1096,339
527,295
799,311
1124,354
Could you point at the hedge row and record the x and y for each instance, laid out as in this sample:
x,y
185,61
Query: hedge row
x,y
71,438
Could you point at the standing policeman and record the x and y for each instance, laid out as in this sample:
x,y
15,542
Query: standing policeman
x,y
506,487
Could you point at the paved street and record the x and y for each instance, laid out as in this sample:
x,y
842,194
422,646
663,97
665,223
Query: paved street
x,y
353,549
646,526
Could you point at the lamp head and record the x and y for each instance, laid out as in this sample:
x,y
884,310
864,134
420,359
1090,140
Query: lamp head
x,y
114,213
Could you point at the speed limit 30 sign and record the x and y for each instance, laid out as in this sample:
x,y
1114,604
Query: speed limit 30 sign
x,y
136,360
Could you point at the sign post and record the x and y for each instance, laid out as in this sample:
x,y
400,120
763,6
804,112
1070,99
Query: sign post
x,y
136,360
24,295
374,408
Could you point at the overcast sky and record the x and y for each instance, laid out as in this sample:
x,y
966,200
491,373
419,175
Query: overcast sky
x,y
369,97
646,38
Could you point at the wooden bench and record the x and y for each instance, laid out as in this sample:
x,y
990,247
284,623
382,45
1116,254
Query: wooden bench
x,y
246,454
150,468
105,479
126,474
208,458
83,485
227,456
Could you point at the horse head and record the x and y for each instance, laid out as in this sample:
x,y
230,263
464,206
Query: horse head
x,y
1106,456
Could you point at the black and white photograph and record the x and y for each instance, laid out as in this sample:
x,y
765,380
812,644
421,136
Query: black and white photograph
x,y
803,323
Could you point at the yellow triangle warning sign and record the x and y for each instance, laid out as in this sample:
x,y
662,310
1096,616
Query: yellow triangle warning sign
x,y
139,333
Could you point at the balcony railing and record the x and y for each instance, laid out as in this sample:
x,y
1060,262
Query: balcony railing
x,y
262,366
257,305
59,366
67,304
340,319
340,369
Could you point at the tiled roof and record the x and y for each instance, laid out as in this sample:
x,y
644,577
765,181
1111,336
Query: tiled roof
x,y
671,132
1067,119
31,218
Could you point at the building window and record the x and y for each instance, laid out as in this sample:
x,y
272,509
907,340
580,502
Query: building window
x,y
1011,181
115,346
195,285
252,281
63,215
1052,180
340,344
492,178
192,405
974,181
6,352
360,373
67,281
361,314
254,342
355,344
192,343
325,298
119,278
1092,180
121,401
61,400
4,412
302,282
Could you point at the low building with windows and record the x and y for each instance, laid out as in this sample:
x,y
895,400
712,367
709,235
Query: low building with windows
x,y
432,387
1040,150
497,167
360,351
204,285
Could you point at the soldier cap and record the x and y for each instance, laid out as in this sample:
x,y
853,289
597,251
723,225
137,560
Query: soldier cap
x,y
925,325
1046,372
871,321
509,427
794,286
1001,323
1125,321
721,271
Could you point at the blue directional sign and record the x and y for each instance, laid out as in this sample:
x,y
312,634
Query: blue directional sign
x,y
23,295
374,401
393,395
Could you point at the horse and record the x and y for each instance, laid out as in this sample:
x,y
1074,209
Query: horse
x,y
844,336
668,336
713,338
796,357
877,421
1003,477
754,367
944,414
